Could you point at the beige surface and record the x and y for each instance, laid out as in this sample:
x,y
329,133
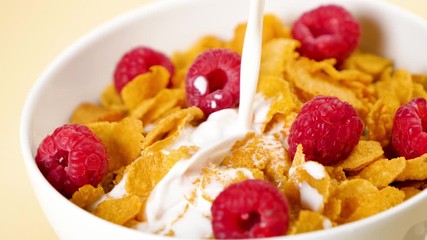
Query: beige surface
x,y
32,33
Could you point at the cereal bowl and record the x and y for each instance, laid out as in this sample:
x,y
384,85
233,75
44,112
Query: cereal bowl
x,y
84,69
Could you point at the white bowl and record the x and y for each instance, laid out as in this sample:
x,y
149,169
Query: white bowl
x,y
85,68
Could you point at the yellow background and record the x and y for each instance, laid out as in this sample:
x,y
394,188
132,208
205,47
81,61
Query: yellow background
x,y
32,33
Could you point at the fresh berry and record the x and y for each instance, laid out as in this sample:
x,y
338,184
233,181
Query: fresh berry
x,y
138,61
72,156
409,133
250,209
213,80
328,31
327,128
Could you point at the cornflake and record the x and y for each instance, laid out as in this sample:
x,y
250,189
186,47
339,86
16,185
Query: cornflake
x,y
123,140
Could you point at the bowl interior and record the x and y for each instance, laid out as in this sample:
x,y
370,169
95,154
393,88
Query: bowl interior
x,y
84,69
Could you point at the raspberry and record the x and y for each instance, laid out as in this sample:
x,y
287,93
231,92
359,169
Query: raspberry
x,y
213,80
327,128
71,157
138,61
409,136
250,209
328,31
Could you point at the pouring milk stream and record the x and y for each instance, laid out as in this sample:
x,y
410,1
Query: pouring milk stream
x,y
172,189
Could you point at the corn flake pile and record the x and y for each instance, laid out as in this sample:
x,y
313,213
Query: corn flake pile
x,y
149,114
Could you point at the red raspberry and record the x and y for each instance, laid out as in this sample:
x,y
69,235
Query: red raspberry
x,y
250,209
328,31
327,128
409,136
71,157
138,61
213,80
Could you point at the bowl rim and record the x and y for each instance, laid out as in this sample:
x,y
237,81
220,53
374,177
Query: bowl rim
x,y
149,8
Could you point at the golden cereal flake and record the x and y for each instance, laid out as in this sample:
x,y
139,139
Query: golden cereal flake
x,y
356,81
332,209
108,181
131,223
377,202
283,100
178,78
279,126
351,194
309,84
395,86
250,155
89,112
214,178
145,172
410,183
347,77
119,211
410,192
152,109
145,86
336,172
418,91
169,112
420,79
383,172
280,162
257,153
273,28
264,153
87,195
379,122
168,129
277,169
415,169
312,181
275,55
299,158
368,63
110,98
309,221
363,154
118,175
111,179
121,139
